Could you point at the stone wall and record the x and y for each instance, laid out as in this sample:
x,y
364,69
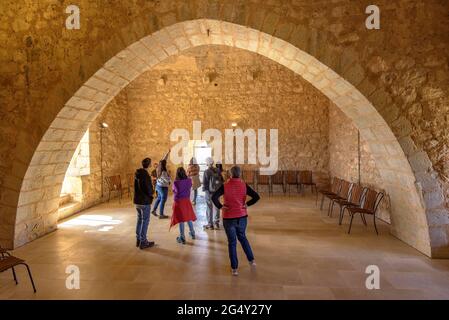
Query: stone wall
x,y
80,163
115,151
402,69
219,85
115,158
344,157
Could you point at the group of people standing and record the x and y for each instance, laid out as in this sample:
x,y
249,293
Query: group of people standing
x,y
234,208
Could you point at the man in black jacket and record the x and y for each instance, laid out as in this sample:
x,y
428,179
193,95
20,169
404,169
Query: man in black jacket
x,y
143,196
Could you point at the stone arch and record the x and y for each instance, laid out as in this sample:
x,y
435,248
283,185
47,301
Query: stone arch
x,y
39,196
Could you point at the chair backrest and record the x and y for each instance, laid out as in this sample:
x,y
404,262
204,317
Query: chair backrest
x,y
114,182
248,176
278,177
263,179
305,176
225,174
357,192
130,177
371,200
336,184
345,188
291,176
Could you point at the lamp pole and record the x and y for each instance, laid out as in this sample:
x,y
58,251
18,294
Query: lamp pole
x,y
103,126
359,156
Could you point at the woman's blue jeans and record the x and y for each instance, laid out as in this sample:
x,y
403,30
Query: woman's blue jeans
x,y
236,229
162,193
181,229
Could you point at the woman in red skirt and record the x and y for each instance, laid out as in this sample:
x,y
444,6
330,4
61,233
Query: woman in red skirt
x,y
182,208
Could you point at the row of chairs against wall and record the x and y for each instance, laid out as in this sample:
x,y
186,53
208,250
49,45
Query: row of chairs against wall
x,y
287,179
353,198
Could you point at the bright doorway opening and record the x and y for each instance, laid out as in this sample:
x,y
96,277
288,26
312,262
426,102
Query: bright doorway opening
x,y
201,151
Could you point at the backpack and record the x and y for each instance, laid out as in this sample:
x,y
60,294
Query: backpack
x,y
215,181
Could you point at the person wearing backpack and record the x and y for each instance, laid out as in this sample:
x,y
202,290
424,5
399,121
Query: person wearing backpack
x,y
212,181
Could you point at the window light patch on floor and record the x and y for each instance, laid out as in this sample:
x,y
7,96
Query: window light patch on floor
x,y
102,223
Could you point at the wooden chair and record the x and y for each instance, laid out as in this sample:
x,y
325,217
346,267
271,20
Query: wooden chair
x,y
114,183
278,179
370,204
354,200
333,190
305,179
343,194
249,176
130,184
263,180
291,178
7,261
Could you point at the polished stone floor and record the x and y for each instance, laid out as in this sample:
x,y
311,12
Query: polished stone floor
x,y
300,254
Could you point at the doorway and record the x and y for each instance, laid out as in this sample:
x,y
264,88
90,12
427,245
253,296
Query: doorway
x,y
201,151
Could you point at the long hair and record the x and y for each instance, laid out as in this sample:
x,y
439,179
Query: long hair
x,y
161,167
181,174
193,161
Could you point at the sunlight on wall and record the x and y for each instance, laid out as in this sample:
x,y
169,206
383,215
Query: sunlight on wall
x,y
79,166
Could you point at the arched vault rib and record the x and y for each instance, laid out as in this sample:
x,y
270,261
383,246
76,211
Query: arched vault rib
x,y
40,190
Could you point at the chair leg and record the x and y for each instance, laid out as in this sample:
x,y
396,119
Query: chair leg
x,y
331,208
375,226
350,223
342,212
14,275
322,202
31,277
363,219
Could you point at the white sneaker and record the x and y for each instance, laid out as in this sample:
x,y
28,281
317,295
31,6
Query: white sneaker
x,y
235,272
253,263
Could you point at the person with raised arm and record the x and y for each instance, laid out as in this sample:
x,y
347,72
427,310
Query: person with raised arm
x,y
162,183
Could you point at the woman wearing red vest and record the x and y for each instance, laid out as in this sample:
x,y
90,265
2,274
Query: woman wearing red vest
x,y
235,217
